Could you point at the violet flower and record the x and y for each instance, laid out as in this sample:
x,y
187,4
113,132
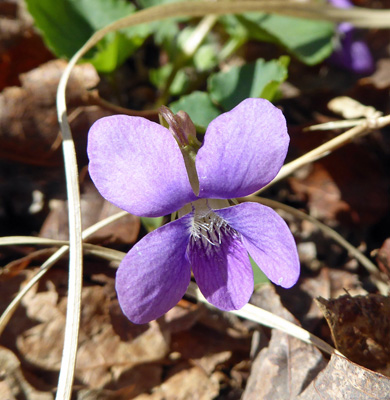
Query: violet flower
x,y
141,167
351,53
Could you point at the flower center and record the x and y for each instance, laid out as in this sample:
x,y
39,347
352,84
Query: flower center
x,y
208,229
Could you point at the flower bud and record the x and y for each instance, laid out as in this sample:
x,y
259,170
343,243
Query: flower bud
x,y
184,131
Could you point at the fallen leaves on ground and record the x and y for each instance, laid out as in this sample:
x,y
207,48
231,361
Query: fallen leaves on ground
x,y
28,118
360,327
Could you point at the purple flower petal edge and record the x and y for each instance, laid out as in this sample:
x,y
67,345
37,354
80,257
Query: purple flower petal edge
x,y
155,273
267,239
137,165
243,150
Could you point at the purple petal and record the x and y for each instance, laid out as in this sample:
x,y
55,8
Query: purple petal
x,y
155,273
341,3
222,271
353,55
268,240
362,61
243,150
137,165
346,29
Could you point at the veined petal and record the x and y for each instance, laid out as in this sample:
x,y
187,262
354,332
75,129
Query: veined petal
x,y
268,240
243,150
221,267
137,165
155,273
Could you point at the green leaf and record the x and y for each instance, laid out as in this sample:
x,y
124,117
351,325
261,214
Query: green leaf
x,y
180,83
259,79
151,224
241,27
206,57
67,24
165,30
279,70
310,41
258,275
160,75
199,107
112,55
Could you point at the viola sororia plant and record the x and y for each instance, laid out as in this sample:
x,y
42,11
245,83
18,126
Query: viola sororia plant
x,y
149,170
351,53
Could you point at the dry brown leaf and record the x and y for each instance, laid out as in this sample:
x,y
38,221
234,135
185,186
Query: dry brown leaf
x,y
342,188
142,378
185,383
21,47
328,282
209,362
14,267
93,209
299,299
343,281
344,380
13,384
383,256
285,368
349,108
381,78
191,345
185,316
324,196
28,117
104,357
360,328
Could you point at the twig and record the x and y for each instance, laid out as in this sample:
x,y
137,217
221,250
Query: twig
x,y
327,148
94,98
